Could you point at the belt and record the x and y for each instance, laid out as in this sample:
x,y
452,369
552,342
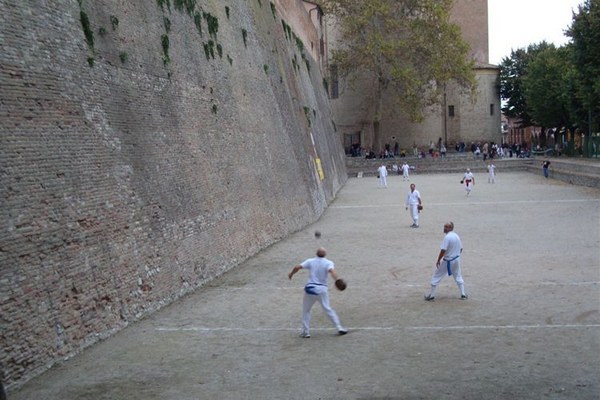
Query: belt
x,y
448,264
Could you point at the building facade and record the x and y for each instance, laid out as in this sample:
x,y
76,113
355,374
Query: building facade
x,y
457,119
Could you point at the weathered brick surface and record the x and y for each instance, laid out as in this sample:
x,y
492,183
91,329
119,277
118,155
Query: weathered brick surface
x,y
128,184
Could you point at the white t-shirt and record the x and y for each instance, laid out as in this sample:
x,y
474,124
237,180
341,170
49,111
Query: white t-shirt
x,y
413,197
318,268
451,245
405,168
382,171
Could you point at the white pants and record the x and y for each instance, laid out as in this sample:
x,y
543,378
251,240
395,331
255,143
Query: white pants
x,y
442,271
382,181
414,213
405,175
309,301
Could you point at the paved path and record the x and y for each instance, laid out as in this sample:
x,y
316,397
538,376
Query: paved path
x,y
530,330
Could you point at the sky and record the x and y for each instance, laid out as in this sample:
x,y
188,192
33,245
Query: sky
x,y
515,24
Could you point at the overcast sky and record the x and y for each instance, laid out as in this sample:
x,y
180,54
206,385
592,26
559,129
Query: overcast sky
x,y
515,24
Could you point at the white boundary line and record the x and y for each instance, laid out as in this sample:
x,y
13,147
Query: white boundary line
x,y
470,203
382,328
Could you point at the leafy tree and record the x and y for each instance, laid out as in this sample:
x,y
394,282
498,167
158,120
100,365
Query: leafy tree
x,y
405,50
513,69
585,33
548,86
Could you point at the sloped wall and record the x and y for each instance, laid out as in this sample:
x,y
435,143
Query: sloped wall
x,y
181,141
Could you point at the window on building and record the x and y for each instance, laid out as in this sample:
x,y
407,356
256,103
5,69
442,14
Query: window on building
x,y
491,109
451,111
334,82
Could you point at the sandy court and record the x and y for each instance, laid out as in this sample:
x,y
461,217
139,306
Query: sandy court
x,y
530,329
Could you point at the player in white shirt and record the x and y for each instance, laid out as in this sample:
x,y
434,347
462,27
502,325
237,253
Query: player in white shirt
x,y
450,251
405,169
491,173
469,181
383,173
413,200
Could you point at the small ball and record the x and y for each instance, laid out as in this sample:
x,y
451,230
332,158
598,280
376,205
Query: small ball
x,y
317,234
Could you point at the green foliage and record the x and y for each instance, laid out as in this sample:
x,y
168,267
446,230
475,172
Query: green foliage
x,y
512,71
214,108
198,22
306,62
206,50
220,50
273,11
164,40
307,115
90,61
162,3
213,24
266,68
245,37
229,59
585,33
87,31
187,5
102,31
227,11
167,24
114,22
299,43
211,49
123,57
405,51
547,87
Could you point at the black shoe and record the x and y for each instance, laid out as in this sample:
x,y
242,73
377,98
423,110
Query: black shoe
x,y
342,332
429,298
464,297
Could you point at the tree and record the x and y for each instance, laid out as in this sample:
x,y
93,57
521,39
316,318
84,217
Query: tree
x,y
548,86
405,50
585,33
513,70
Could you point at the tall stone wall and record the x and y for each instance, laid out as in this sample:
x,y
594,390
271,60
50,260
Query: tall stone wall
x,y
181,141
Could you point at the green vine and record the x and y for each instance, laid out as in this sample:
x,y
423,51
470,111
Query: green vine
x,y
213,24
162,3
273,11
114,22
227,11
198,22
245,37
123,57
85,24
164,40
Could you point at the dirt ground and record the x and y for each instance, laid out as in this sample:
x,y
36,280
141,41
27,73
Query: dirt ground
x,y
530,329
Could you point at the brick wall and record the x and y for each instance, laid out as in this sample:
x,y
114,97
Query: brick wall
x,y
134,170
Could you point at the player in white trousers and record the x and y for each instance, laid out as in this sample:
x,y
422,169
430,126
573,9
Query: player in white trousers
x,y
491,173
383,173
316,290
450,251
469,181
405,169
413,200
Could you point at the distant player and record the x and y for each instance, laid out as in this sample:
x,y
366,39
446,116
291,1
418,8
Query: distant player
x,y
469,181
405,169
491,173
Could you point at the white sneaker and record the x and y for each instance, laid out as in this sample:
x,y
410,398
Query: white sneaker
x,y
305,335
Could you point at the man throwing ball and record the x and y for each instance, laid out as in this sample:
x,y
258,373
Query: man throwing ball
x,y
448,261
316,289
